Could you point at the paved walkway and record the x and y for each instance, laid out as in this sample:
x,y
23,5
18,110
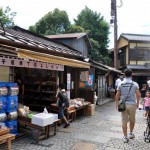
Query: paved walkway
x,y
99,132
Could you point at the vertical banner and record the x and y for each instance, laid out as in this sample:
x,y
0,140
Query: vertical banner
x,y
68,81
68,84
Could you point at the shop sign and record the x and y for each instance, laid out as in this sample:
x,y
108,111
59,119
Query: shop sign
x,y
84,75
90,80
16,62
87,84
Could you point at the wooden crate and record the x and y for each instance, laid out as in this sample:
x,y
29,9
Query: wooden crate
x,y
90,110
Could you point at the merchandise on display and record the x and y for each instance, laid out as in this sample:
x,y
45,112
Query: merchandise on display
x,y
77,102
3,91
9,105
12,103
24,111
2,125
13,91
2,104
13,127
12,115
3,117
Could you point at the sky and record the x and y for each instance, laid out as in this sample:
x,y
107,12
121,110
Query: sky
x,y
132,16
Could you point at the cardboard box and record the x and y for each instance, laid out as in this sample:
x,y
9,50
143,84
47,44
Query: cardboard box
x,y
90,110
42,119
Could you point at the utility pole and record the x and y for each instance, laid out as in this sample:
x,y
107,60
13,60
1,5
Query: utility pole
x,y
114,20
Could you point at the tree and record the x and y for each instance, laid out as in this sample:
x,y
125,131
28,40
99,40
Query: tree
x,y
75,29
98,31
6,17
54,22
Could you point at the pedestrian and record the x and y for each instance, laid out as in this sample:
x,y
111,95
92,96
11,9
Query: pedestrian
x,y
118,80
20,84
146,103
130,88
148,84
143,92
60,102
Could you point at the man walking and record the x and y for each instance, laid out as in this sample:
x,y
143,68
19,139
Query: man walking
x,y
128,90
118,80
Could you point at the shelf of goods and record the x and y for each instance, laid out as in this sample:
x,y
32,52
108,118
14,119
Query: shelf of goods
x,y
9,105
39,95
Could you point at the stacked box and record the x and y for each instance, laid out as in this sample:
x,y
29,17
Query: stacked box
x,y
90,110
13,126
3,102
13,89
9,105
12,104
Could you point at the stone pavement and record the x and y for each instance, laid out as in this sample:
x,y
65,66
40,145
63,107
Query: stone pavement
x,y
99,132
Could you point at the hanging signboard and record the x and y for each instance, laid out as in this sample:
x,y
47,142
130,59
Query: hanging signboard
x,y
90,80
84,75
88,83
16,62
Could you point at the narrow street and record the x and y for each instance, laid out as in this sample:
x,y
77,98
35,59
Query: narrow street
x,y
99,132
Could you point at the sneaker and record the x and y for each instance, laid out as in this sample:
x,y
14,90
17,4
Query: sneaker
x,y
125,140
66,125
131,135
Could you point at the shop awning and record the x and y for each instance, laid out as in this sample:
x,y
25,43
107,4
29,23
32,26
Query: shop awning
x,y
23,53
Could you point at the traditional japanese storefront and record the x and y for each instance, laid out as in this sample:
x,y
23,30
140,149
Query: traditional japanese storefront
x,y
37,67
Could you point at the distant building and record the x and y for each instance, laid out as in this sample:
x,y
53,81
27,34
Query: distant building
x,y
78,41
134,53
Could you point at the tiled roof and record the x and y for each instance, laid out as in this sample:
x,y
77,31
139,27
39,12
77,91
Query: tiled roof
x,y
136,37
69,35
22,36
138,67
106,67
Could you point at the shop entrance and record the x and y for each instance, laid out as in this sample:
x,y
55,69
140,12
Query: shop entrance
x,y
101,86
40,87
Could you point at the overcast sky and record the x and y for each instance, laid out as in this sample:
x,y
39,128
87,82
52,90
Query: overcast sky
x,y
133,16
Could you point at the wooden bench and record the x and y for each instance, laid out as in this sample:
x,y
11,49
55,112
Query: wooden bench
x,y
6,137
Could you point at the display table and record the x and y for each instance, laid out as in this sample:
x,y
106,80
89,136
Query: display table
x,y
6,137
78,110
82,109
27,122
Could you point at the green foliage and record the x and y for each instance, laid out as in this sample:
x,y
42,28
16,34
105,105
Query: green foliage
x,y
75,29
98,31
94,53
7,17
57,22
32,29
54,22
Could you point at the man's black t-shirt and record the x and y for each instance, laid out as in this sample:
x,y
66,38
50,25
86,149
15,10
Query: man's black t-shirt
x,y
63,98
